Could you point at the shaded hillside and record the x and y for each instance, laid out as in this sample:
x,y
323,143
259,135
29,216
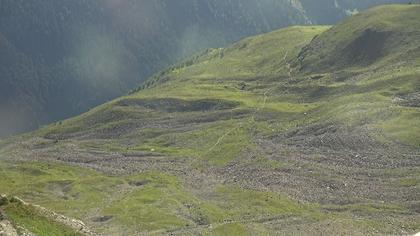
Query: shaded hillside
x,y
331,11
20,100
377,38
69,56
245,140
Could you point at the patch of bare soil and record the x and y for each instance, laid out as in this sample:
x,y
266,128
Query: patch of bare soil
x,y
409,100
7,229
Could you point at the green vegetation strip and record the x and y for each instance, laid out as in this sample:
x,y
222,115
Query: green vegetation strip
x,y
29,218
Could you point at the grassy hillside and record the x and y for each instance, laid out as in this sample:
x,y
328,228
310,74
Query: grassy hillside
x,y
97,50
70,56
23,219
377,38
282,132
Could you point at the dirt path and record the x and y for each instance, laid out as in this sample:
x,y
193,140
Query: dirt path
x,y
222,137
259,108
240,124
288,66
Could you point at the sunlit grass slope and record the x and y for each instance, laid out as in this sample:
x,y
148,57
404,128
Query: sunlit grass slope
x,y
144,202
27,218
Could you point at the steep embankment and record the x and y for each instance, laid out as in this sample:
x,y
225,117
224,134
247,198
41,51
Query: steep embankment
x,y
254,138
20,218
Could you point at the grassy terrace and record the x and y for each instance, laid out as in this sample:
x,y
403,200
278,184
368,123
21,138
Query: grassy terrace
x,y
155,202
144,202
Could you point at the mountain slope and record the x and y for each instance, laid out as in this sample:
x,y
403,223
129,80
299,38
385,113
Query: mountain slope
x,y
77,54
16,91
332,11
255,138
74,55
367,39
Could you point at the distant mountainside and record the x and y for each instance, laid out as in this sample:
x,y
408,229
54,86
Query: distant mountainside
x,y
332,11
60,58
307,130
